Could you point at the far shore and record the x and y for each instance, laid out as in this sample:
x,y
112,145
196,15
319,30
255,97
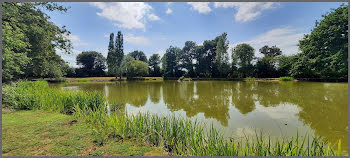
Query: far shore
x,y
107,79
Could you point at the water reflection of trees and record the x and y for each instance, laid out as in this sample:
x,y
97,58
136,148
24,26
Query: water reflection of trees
x,y
242,96
134,93
211,99
323,106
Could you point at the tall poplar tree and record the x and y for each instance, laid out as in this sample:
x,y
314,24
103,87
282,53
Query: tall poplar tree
x,y
111,57
222,59
119,50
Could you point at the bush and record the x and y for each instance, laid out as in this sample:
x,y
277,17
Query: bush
x,y
25,95
286,78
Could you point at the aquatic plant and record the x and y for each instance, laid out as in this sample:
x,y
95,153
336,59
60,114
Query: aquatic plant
x,y
25,95
190,138
286,79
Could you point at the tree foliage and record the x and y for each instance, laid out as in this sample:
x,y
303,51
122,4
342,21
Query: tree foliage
x,y
243,54
134,68
93,63
30,41
324,52
170,64
153,63
115,54
222,57
138,55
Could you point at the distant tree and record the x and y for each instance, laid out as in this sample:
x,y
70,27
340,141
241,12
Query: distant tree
x,y
324,52
170,62
153,63
187,56
134,68
209,57
222,59
285,64
200,60
266,66
112,56
270,51
93,63
244,54
138,55
119,53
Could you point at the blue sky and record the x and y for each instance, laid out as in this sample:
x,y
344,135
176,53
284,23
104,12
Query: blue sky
x,y
153,27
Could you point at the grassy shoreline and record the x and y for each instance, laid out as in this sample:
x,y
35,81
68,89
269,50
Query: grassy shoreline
x,y
42,133
175,135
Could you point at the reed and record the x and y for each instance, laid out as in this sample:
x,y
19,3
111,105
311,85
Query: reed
x,y
286,79
190,138
25,95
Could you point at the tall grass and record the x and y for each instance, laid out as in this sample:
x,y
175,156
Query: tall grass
x,y
286,79
184,137
24,95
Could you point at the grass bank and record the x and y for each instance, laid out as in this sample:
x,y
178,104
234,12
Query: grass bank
x,y
175,135
42,133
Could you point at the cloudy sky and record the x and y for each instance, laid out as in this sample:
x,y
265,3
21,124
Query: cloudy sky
x,y
153,27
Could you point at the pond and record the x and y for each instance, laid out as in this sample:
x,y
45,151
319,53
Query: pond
x,y
237,108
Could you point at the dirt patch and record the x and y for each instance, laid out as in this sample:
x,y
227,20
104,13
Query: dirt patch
x,y
156,153
47,140
69,123
88,150
44,133
7,110
41,150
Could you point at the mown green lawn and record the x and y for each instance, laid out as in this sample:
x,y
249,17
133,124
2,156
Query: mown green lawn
x,y
39,133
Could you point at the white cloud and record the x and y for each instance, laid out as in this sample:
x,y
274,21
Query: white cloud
x,y
127,15
201,7
285,38
106,35
137,40
153,17
169,11
76,41
246,11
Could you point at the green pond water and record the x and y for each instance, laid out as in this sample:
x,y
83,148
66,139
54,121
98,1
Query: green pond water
x,y
239,109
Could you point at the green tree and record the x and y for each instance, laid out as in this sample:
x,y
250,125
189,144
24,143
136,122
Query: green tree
x,y
324,52
138,55
93,63
153,63
111,56
244,54
134,68
171,67
187,56
222,59
285,64
266,66
30,40
117,56
270,51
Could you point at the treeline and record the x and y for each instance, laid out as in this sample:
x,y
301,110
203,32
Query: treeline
x,y
26,53
323,55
